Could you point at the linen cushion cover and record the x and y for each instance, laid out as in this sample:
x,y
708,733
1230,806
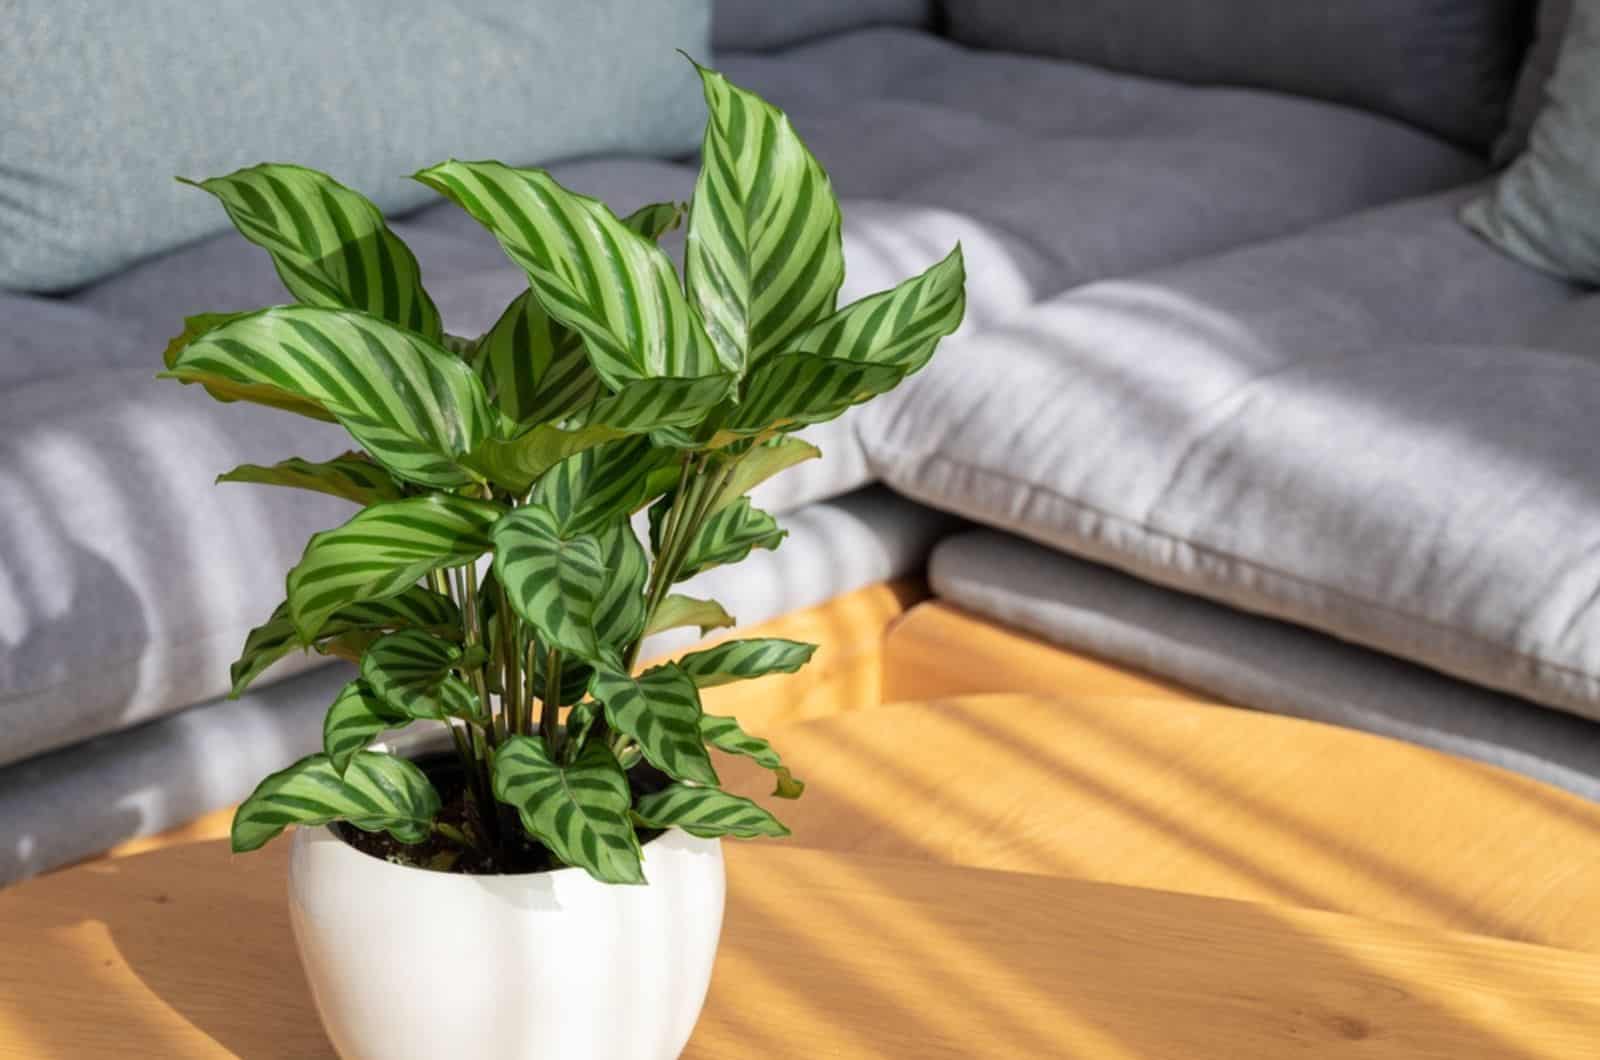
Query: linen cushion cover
x,y
1443,65
1545,209
1346,429
101,105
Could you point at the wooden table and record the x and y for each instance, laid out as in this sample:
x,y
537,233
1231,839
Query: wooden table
x,y
888,946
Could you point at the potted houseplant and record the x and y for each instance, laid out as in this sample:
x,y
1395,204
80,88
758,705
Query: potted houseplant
x,y
550,884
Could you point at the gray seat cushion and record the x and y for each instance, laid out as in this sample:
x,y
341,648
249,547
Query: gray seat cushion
x,y
1445,65
1338,429
757,25
1256,662
1095,173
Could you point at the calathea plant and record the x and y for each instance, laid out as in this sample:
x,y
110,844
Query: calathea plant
x,y
608,387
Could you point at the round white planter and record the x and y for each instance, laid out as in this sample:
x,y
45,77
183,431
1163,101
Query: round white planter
x,y
409,963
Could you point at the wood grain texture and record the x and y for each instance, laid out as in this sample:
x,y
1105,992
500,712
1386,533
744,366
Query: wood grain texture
x,y
845,674
187,953
1198,798
936,650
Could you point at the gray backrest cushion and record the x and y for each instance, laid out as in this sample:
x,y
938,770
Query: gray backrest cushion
x,y
1537,66
102,104
761,25
1444,65
1545,209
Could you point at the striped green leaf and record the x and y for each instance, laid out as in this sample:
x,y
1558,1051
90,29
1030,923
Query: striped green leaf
x,y
383,551
512,358
589,490
351,476
655,220
414,406
660,710
329,244
356,718
763,260
579,811
410,671
857,353
706,812
516,464
725,735
229,390
376,793
276,637
535,369
555,583
620,614
589,271
740,660
728,537
676,611
579,721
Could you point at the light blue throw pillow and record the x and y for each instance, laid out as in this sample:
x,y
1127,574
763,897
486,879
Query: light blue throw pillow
x,y
103,103
1545,209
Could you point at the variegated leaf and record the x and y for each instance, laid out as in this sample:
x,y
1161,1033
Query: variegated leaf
x,y
763,259
676,611
356,718
352,476
410,671
579,811
725,735
276,637
706,812
516,464
619,616
589,490
329,244
660,710
740,660
383,551
414,406
655,220
230,390
728,537
376,793
589,271
512,358
859,352
555,583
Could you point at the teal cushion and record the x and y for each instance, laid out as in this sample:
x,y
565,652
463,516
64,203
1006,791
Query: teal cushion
x,y
102,104
1545,209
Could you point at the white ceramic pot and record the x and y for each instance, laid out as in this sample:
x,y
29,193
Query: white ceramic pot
x,y
405,963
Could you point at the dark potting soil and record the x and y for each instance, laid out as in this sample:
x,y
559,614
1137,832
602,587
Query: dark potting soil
x,y
516,853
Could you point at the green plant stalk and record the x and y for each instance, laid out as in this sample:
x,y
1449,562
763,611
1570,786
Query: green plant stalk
x,y
550,714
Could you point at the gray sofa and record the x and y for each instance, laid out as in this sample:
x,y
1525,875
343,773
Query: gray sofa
x,y
1238,400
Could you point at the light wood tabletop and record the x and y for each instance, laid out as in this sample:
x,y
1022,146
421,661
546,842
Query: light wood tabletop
x,y
186,953
983,877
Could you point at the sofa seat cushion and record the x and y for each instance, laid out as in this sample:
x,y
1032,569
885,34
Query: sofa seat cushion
x,y
1251,661
1352,440
1098,173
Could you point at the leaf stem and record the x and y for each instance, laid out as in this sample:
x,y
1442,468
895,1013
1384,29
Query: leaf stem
x,y
550,713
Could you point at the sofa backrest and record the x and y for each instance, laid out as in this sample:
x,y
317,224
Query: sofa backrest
x,y
1444,65
762,25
